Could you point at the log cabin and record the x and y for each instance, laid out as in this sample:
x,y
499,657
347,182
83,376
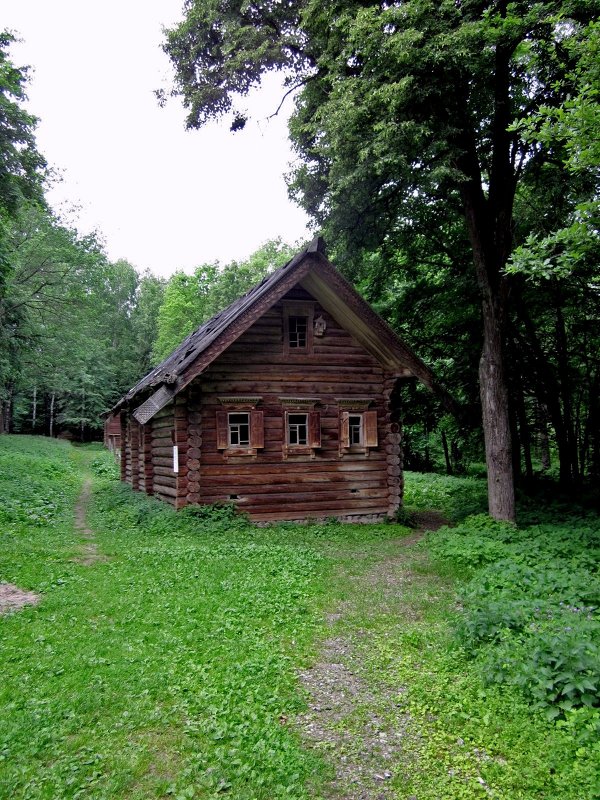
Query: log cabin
x,y
286,403
112,433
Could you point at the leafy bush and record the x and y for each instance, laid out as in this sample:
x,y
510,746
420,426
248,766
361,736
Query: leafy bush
x,y
105,466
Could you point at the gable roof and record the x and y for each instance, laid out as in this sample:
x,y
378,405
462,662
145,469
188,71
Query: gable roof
x,y
313,272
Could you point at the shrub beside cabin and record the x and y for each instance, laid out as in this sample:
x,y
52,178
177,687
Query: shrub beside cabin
x,y
286,403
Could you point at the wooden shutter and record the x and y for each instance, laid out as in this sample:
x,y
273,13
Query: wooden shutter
x,y
370,428
257,429
345,429
222,431
314,429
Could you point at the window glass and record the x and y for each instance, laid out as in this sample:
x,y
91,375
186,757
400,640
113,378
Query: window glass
x,y
239,430
297,429
297,331
355,429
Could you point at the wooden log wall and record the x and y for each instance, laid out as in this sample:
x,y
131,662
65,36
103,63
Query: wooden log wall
x,y
164,478
269,486
123,444
194,442
134,435
180,422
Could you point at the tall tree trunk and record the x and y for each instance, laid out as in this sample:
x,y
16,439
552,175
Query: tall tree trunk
x,y
568,470
52,398
490,253
489,225
496,423
8,408
34,409
544,439
446,454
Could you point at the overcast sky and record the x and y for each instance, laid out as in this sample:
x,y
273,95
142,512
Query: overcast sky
x,y
161,197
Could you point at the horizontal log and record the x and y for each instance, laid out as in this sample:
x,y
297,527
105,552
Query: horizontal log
x,y
296,516
164,413
161,488
305,507
160,461
193,497
163,452
291,388
245,365
309,499
167,471
164,441
317,481
273,469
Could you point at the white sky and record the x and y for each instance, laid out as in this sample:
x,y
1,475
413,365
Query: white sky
x,y
161,197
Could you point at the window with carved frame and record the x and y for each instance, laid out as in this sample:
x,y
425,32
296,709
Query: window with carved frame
x,y
302,426
358,426
240,426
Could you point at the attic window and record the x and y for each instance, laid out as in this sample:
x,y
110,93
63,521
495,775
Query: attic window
x,y
298,328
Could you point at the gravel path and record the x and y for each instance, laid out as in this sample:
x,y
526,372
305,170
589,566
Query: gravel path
x,y
88,550
342,720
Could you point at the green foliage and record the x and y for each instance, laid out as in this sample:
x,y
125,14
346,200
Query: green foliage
x,y
105,466
76,330
531,608
22,168
455,497
41,499
189,300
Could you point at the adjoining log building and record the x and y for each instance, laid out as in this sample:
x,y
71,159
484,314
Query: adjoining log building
x,y
286,403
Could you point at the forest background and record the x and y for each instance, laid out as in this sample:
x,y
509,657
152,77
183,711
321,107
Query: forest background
x,y
448,152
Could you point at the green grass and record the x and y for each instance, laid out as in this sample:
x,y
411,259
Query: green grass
x,y
170,669
457,498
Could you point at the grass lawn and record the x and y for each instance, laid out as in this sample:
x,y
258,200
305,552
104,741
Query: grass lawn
x,y
202,657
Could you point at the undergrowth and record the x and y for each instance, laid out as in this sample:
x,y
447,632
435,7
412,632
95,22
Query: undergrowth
x,y
530,612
